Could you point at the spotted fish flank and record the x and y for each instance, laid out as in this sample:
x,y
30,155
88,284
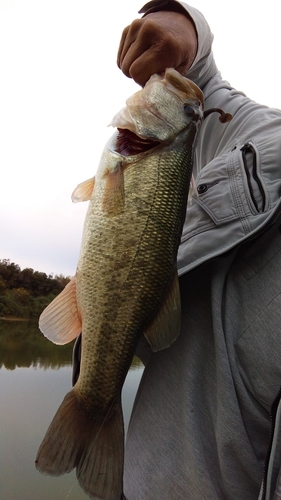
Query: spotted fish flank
x,y
126,281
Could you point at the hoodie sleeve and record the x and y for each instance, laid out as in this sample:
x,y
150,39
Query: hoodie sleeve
x,y
236,165
203,67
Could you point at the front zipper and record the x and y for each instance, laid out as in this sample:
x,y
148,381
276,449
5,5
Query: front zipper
x,y
273,412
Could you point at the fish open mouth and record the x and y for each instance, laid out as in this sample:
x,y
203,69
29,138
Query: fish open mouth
x,y
128,143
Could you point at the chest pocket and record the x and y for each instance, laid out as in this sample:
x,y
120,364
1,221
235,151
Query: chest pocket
x,y
232,201
231,186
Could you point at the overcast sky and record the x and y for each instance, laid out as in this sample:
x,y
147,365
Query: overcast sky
x,y
59,89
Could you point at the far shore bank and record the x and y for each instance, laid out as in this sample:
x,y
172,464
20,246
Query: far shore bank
x,y
13,318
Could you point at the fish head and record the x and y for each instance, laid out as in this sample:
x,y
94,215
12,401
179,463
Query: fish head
x,y
163,108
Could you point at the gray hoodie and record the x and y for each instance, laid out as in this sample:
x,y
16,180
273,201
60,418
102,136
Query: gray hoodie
x,y
206,420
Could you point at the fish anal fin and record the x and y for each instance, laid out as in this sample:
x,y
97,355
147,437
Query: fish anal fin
x,y
165,327
92,444
60,322
83,191
113,194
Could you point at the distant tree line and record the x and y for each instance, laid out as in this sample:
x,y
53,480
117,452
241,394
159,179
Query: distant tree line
x,y
25,293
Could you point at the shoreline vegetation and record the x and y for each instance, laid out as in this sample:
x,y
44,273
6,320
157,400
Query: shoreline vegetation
x,y
22,345
12,318
23,296
24,293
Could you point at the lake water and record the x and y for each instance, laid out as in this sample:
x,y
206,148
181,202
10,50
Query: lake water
x,y
35,375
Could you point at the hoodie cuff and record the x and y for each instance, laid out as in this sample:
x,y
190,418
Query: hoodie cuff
x,y
168,5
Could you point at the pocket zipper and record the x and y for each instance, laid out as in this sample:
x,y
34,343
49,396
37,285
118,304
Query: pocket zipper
x,y
249,149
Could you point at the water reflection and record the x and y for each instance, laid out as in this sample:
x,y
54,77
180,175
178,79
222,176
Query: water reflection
x,y
35,376
23,345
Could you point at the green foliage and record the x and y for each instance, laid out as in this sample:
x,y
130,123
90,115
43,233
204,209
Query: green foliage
x,y
22,344
25,293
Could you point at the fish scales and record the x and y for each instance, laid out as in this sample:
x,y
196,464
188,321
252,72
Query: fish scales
x,y
126,281
136,280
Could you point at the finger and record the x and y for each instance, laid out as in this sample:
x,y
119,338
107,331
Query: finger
x,y
121,47
128,37
141,43
138,56
148,63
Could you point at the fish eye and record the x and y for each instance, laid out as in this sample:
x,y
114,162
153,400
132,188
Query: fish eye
x,y
189,110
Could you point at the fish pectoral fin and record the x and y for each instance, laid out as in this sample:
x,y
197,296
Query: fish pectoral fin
x,y
113,195
83,191
91,442
60,322
165,327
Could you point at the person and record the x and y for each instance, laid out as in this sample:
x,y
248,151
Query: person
x,y
206,419
206,422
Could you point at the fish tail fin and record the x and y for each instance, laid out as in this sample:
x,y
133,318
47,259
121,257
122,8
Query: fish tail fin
x,y
95,446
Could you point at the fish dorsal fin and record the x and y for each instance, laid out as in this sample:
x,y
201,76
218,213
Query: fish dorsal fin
x,y
83,191
165,327
60,322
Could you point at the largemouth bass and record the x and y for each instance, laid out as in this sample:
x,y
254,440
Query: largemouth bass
x,y
126,282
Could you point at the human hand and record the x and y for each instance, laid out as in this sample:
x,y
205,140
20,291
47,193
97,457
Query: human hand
x,y
155,42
